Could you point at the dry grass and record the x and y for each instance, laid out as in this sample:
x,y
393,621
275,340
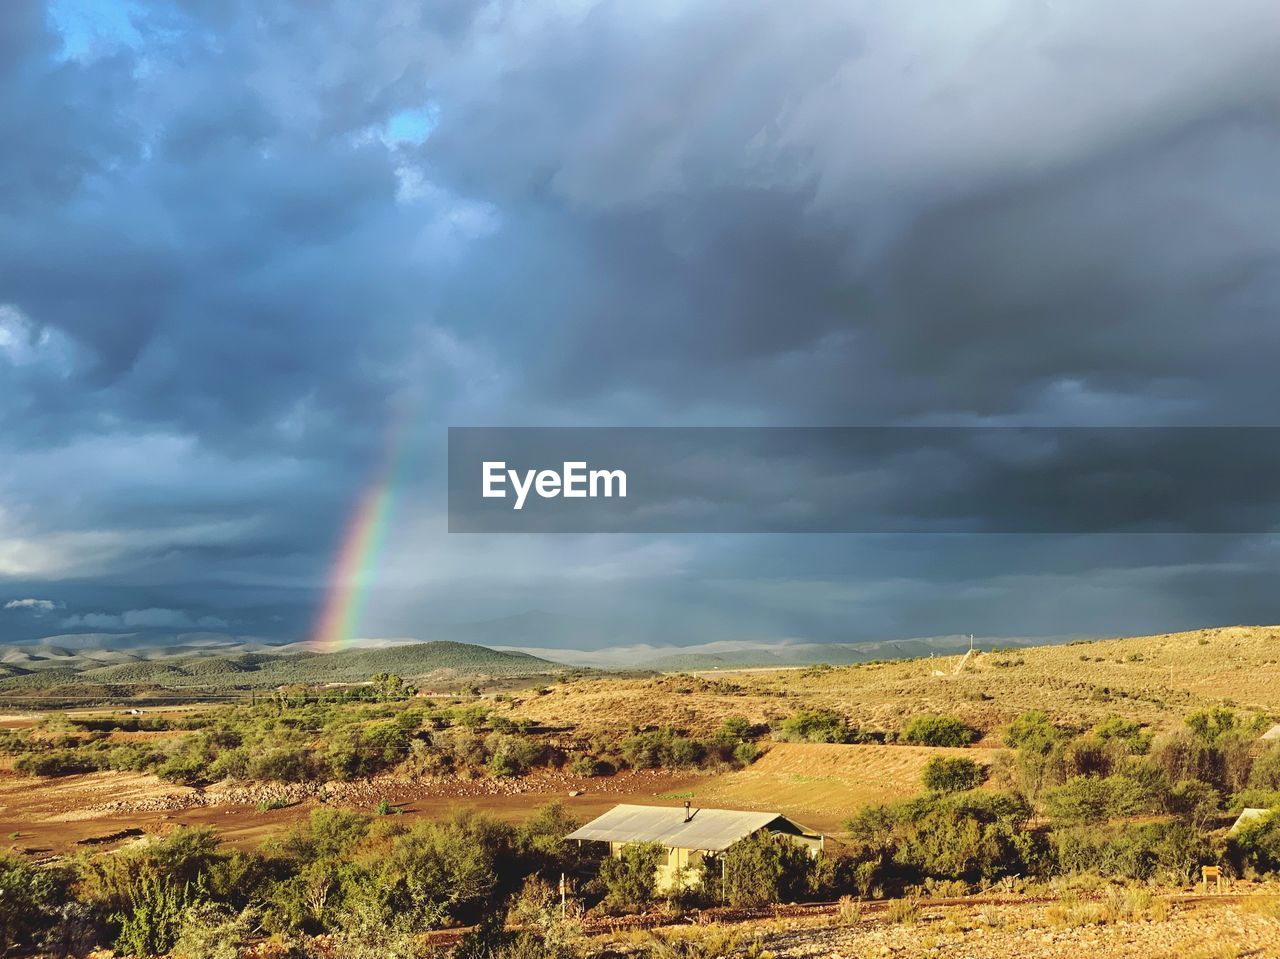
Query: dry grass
x,y
903,912
1262,905
1155,679
820,783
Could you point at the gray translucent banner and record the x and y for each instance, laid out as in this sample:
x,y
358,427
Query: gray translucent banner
x,y
864,479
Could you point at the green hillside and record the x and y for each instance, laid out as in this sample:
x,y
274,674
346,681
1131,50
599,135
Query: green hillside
x,y
263,670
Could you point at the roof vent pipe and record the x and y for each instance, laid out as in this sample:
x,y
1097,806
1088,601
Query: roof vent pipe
x,y
687,814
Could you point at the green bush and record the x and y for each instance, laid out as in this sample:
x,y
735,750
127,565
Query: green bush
x,y
1034,731
655,749
1125,732
937,731
1266,770
183,769
1257,844
584,765
62,762
29,900
327,834
816,726
286,764
764,868
1255,799
151,924
629,878
1167,851
540,841
212,931
951,774
971,836
426,874
1092,799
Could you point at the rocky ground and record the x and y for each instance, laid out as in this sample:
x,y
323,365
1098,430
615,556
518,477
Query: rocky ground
x,y
362,793
1203,930
43,818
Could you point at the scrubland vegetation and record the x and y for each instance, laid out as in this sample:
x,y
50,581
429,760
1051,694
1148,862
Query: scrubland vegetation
x,y
1099,813
1112,802
303,736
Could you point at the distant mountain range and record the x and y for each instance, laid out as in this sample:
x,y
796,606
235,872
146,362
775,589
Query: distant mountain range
x,y
779,653
528,643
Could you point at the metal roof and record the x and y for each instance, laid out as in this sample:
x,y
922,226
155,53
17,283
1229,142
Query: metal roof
x,y
713,830
1272,733
1249,815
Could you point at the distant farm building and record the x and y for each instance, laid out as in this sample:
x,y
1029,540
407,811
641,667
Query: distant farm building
x,y
693,838
1272,735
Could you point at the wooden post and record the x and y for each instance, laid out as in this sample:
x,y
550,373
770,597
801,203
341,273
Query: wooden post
x,y
562,902
1211,872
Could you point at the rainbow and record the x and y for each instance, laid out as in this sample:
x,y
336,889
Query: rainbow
x,y
357,558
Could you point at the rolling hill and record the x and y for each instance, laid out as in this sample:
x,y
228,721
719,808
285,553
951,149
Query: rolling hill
x,y
265,670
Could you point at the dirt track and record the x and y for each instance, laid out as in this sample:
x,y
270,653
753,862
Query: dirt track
x,y
43,817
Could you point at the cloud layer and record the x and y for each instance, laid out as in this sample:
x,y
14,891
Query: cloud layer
x,y
243,244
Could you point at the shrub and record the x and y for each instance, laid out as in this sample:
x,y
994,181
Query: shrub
x,y
629,879
816,726
1194,802
62,762
937,731
1125,732
1090,799
286,764
1257,844
1033,731
950,774
1170,851
153,920
903,912
1255,798
29,901
971,836
707,942
1266,770
212,931
1210,725
423,875
584,765
541,843
327,833
184,769
764,868
662,747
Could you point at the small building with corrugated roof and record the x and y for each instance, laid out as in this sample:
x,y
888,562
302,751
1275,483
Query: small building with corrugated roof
x,y
694,839
1248,815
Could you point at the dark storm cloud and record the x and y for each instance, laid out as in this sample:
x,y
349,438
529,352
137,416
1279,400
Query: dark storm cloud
x,y
224,277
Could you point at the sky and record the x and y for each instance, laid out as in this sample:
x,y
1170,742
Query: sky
x,y
248,248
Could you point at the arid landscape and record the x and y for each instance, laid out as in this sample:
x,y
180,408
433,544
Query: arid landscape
x,y
822,745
